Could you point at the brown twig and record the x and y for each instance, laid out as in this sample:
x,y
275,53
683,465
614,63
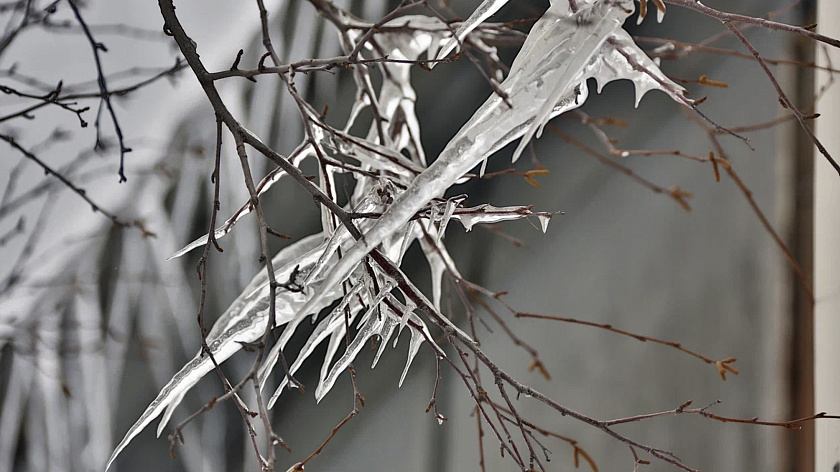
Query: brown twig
x,y
731,18
723,366
684,410
783,97
577,451
676,193
103,89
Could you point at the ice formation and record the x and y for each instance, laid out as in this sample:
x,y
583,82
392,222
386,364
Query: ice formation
x,y
548,77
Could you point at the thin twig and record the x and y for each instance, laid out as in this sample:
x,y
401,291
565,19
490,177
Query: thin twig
x,y
103,88
723,366
783,97
78,191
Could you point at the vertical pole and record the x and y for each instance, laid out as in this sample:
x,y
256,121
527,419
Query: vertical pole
x,y
827,255
800,453
795,220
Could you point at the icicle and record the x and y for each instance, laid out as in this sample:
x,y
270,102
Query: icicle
x,y
336,339
341,236
413,348
244,321
451,204
488,214
482,13
265,184
407,311
332,325
329,323
544,221
164,420
326,181
338,236
384,336
362,101
434,211
371,327
437,266
374,155
547,77
393,246
407,239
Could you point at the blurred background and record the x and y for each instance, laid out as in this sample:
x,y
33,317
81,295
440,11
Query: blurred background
x,y
94,319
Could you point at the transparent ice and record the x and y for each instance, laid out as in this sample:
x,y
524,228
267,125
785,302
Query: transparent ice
x,y
548,77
